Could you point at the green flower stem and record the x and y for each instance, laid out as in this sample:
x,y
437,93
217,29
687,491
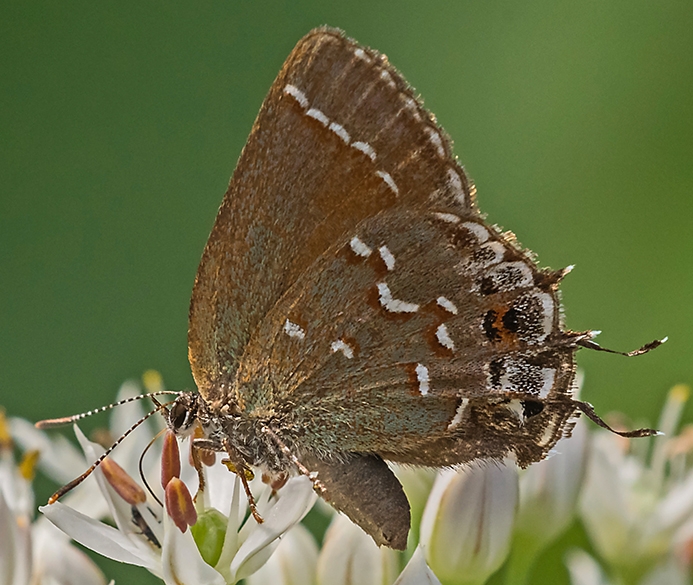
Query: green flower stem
x,y
522,556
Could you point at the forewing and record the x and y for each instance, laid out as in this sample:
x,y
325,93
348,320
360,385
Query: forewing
x,y
340,138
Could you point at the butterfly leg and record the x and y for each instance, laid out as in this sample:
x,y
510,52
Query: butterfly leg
x,y
197,464
302,469
241,469
199,450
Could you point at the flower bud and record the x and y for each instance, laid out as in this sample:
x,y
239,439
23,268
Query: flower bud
x,y
468,521
417,572
350,557
549,491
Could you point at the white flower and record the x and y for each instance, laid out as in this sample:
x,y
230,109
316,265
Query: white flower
x,y
583,569
293,563
62,462
223,547
417,571
33,553
633,509
350,557
417,483
468,520
549,493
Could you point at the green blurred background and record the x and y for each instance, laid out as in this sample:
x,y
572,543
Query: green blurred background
x,y
120,123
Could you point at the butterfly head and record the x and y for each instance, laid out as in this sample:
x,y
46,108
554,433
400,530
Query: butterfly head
x,y
188,409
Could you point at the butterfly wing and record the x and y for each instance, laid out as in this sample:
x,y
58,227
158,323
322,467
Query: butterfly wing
x,y
418,337
350,288
351,298
339,138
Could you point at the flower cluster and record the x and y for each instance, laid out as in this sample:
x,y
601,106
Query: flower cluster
x,y
151,530
637,506
33,551
634,499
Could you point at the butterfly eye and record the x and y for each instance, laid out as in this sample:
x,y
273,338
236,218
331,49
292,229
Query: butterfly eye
x,y
532,407
178,417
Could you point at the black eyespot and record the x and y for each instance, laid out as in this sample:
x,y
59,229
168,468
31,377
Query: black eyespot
x,y
489,328
178,416
532,407
511,320
487,286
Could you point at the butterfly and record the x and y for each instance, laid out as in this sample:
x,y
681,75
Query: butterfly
x,y
352,306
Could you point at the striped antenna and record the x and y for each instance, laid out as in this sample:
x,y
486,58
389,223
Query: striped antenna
x,y
75,482
66,420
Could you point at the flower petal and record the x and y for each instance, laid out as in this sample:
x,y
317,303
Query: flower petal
x,y
100,538
59,460
607,505
583,569
293,561
295,500
350,557
15,547
549,491
182,563
221,486
417,571
468,521
121,419
57,561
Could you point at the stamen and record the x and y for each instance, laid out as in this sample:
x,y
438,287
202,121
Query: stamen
x,y
122,483
5,436
179,504
27,467
170,459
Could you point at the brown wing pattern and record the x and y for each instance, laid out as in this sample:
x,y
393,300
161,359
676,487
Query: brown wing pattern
x,y
418,325
321,157
351,291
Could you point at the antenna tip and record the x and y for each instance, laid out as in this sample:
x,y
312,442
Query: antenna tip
x,y
53,422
